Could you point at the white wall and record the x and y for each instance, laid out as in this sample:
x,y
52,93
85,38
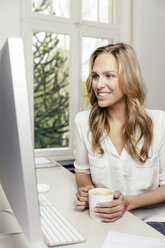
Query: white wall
x,y
149,43
9,19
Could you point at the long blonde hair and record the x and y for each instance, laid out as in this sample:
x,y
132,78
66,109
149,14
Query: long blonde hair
x,y
131,83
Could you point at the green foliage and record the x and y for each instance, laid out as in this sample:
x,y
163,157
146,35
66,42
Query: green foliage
x,y
41,5
51,92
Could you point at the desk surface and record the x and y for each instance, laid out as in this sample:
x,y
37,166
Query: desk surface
x,y
62,195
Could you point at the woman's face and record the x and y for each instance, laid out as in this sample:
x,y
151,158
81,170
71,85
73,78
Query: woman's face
x,y
105,80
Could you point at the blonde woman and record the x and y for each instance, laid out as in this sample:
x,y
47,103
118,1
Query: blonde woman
x,y
119,144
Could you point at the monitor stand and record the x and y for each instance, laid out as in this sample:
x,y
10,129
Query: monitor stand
x,y
8,224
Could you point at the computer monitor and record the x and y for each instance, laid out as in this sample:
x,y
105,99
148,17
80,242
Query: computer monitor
x,y
17,171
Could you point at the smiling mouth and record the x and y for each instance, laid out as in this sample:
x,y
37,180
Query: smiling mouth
x,y
103,93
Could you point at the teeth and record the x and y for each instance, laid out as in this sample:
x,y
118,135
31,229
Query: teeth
x,y
103,94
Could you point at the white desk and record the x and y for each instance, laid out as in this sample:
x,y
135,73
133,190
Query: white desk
x,y
62,195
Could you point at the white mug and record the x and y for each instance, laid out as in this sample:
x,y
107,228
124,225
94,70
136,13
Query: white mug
x,y
98,195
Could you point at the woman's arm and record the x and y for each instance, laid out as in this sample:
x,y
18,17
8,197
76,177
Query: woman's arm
x,y
83,179
111,211
158,195
82,168
84,183
147,199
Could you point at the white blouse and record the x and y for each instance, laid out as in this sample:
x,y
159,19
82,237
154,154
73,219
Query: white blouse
x,y
122,172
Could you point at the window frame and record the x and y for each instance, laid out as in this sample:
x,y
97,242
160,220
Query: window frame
x,y
76,29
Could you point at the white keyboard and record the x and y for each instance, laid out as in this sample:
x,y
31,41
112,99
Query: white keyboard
x,y
56,229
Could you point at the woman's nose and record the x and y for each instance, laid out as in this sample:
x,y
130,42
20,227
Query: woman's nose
x,y
101,83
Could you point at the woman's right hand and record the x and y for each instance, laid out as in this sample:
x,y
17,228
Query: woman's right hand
x,y
82,197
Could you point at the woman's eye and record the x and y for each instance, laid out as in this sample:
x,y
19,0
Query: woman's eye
x,y
109,76
95,76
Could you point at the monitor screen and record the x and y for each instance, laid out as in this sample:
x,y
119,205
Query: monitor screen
x,y
17,171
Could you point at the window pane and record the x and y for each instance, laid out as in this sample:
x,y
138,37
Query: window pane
x,y
98,11
41,6
88,46
51,89
89,11
103,11
61,8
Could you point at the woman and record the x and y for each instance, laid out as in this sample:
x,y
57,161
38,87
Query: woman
x,y
119,144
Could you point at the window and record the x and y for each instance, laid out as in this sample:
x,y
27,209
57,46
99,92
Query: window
x,y
98,11
51,89
59,37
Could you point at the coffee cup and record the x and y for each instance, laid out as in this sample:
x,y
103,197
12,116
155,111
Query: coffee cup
x,y
98,195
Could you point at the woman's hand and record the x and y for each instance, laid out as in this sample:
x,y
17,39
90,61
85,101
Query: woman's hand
x,y
113,210
82,197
